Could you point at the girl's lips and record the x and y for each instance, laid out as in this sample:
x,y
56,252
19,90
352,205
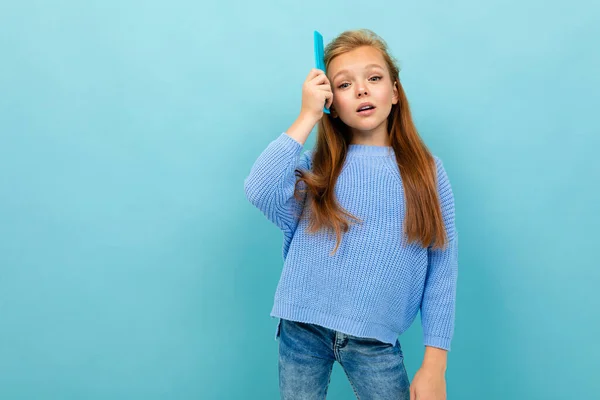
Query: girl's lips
x,y
366,113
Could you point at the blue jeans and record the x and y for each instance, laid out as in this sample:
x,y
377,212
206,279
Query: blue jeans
x,y
307,352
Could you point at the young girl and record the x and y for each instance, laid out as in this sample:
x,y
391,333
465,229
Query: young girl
x,y
369,233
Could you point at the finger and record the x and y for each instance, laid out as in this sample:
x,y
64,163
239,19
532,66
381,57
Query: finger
x,y
313,73
413,395
324,86
329,98
327,92
320,79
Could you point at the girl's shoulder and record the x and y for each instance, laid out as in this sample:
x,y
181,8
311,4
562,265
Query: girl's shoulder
x,y
442,178
439,166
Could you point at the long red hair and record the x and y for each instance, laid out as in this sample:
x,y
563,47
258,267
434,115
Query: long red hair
x,y
423,221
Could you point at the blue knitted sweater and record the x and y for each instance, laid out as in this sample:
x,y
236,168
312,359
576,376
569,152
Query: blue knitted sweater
x,y
374,285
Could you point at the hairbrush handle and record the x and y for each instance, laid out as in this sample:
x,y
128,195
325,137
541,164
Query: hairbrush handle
x,y
319,57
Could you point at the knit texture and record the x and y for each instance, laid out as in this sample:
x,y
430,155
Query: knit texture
x,y
375,284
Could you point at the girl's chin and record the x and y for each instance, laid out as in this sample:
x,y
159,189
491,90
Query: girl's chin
x,y
364,125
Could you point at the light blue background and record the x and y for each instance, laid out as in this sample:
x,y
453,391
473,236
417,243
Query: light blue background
x,y
133,267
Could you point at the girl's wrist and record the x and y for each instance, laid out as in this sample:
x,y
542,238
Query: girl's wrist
x,y
308,118
301,128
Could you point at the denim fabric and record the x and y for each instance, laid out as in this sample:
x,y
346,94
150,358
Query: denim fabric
x,y
307,352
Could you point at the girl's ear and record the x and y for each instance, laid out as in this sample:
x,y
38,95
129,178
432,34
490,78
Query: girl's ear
x,y
395,93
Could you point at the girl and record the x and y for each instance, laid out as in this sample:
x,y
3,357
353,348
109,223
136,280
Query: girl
x,y
373,181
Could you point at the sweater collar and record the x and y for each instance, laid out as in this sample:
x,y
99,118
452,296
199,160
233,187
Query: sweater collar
x,y
370,150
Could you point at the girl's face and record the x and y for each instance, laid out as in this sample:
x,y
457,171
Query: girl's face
x,y
358,77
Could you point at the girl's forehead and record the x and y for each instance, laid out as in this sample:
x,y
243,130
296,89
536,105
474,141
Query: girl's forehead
x,y
356,60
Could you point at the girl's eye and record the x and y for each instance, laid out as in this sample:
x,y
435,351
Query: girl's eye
x,y
346,83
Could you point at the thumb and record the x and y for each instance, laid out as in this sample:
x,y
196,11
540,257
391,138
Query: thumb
x,y
413,393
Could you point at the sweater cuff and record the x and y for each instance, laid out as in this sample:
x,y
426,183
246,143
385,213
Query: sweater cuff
x,y
289,141
436,341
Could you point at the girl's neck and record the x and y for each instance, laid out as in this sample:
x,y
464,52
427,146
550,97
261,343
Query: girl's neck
x,y
377,137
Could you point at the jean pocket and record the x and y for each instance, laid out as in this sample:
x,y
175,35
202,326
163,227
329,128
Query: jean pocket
x,y
375,344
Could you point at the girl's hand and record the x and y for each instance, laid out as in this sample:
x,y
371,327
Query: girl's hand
x,y
316,90
428,384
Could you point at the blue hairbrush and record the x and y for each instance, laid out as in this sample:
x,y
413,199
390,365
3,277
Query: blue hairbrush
x,y
319,57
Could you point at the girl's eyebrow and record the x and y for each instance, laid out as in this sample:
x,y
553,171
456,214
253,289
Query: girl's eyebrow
x,y
366,67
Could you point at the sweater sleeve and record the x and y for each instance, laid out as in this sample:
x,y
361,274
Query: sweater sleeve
x,y
271,182
439,297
